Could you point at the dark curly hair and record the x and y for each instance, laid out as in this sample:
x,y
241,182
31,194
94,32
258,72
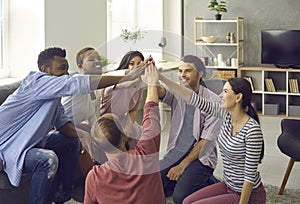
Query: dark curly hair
x,y
46,56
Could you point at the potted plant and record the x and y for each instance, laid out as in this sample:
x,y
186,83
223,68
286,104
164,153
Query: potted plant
x,y
218,7
131,36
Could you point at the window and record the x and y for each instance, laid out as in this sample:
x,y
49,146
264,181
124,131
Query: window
x,y
143,15
3,41
1,33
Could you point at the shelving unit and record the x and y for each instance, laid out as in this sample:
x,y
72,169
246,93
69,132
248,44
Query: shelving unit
x,y
219,28
288,102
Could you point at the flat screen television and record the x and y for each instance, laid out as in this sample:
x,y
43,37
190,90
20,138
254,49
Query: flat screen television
x,y
281,48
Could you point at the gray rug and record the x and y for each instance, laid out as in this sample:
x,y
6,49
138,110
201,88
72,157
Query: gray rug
x,y
290,196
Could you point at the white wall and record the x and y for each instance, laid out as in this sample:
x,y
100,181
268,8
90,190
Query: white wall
x,y
172,29
26,30
74,24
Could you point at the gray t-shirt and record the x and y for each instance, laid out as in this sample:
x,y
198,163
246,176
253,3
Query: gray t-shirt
x,y
185,140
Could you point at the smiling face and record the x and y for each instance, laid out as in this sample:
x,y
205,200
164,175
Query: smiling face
x,y
91,63
59,66
134,62
188,76
229,99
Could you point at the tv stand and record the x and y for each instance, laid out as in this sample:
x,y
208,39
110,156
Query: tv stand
x,y
287,66
286,97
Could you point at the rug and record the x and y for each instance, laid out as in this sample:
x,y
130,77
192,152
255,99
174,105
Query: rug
x,y
290,196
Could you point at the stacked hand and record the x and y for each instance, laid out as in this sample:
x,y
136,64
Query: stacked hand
x,y
151,75
137,71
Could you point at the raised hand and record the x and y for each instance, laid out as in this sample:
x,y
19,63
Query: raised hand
x,y
151,75
135,72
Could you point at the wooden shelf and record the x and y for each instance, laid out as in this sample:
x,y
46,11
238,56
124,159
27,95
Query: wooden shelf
x,y
206,27
280,78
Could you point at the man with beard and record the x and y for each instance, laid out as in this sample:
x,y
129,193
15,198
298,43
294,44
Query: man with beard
x,y
183,169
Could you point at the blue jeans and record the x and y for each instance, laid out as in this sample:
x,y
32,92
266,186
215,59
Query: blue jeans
x,y
55,163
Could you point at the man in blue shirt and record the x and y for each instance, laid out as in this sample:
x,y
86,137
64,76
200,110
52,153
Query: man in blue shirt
x,y
27,116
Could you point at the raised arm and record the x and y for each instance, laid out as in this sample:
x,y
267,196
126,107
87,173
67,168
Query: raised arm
x,y
151,78
99,82
182,91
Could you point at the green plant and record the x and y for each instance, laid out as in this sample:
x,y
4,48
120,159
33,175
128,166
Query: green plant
x,y
128,36
104,60
217,6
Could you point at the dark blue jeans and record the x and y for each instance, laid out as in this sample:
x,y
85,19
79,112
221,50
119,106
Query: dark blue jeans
x,y
194,177
55,163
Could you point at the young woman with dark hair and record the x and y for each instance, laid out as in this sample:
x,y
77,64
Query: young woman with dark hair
x,y
123,99
240,143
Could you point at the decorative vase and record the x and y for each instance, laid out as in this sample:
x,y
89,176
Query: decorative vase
x,y
218,16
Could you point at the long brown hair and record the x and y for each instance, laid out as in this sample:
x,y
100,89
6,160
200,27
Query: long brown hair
x,y
241,85
127,57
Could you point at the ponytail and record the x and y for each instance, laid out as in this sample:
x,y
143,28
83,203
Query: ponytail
x,y
253,114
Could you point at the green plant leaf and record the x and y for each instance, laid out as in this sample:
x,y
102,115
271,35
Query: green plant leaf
x,y
133,36
218,7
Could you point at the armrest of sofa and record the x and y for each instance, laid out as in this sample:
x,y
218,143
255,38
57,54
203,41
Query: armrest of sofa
x,y
7,89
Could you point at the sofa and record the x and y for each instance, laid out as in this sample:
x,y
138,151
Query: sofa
x,y
8,193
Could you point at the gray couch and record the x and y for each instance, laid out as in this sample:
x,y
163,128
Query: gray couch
x,y
8,193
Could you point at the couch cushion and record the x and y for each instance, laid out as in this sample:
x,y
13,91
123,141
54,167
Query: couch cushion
x,y
7,89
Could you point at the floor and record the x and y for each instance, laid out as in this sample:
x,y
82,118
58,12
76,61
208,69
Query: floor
x,y
274,163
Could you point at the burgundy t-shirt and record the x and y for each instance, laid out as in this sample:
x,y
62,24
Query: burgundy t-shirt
x,y
134,177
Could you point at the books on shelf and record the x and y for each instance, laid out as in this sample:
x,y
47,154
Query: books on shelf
x,y
293,86
248,78
270,85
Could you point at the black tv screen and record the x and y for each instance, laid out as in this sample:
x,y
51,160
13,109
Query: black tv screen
x,y
281,48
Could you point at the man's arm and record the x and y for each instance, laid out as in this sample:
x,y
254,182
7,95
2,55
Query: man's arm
x,y
177,171
182,91
99,82
161,91
68,130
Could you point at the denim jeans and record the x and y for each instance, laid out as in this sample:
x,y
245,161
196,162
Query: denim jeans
x,y
55,163
194,177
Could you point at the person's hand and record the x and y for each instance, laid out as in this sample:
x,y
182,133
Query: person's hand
x,y
175,172
134,73
150,59
151,75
